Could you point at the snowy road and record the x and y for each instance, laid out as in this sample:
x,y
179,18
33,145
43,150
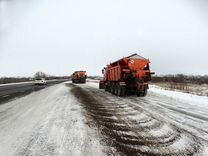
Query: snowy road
x,y
47,122
12,90
68,119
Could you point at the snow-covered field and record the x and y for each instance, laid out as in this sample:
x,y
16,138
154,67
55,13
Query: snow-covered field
x,y
80,120
184,97
195,89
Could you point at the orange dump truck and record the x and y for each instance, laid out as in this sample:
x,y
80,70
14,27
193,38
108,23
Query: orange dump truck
x,y
128,75
79,77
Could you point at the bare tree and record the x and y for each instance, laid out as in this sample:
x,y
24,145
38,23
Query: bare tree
x,y
40,75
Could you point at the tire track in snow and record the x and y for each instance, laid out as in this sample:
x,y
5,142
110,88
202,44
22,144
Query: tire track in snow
x,y
133,130
49,122
188,123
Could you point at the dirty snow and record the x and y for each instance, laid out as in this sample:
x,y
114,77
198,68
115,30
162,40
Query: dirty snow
x,y
93,83
47,122
52,121
165,129
184,111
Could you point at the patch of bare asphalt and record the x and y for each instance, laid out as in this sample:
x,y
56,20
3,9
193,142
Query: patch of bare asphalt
x,y
130,136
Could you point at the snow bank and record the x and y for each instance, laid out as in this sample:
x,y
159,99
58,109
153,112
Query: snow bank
x,y
183,97
93,83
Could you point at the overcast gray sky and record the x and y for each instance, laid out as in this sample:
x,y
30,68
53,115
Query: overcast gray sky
x,y
58,37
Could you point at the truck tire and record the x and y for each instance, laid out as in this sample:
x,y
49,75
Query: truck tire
x,y
138,93
142,94
111,88
106,87
116,89
145,92
119,91
122,91
100,87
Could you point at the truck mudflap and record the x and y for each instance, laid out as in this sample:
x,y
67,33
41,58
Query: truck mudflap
x,y
101,85
142,89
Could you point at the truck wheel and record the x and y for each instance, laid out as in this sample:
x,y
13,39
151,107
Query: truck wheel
x,y
142,94
122,91
119,91
116,90
138,93
100,87
145,92
111,88
105,87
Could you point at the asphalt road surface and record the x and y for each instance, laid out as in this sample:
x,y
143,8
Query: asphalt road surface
x,y
10,91
81,120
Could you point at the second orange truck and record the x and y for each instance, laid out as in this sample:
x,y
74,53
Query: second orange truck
x,y
79,77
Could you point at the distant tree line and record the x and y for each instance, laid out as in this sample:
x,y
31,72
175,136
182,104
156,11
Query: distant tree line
x,y
178,78
48,77
181,78
4,80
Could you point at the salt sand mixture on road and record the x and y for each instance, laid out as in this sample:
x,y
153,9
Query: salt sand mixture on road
x,y
68,119
133,125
